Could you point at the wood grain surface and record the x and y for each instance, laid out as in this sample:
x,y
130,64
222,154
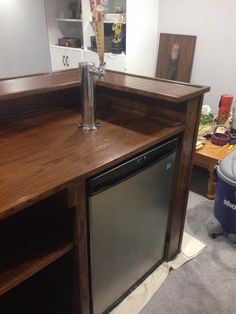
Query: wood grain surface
x,y
81,252
43,155
211,153
151,87
168,113
207,158
185,58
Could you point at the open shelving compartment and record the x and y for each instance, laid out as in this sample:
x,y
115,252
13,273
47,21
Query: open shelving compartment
x,y
33,240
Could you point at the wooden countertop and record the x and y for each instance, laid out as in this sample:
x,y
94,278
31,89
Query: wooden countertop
x,y
156,88
42,156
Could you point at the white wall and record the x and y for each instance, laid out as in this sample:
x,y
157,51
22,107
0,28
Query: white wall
x,y
214,24
141,36
23,38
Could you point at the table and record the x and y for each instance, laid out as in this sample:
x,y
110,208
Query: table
x,y
207,158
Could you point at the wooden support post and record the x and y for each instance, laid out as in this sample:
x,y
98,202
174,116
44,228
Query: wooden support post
x,y
180,195
82,299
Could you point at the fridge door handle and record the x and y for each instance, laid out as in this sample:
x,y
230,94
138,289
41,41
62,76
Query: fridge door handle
x,y
64,60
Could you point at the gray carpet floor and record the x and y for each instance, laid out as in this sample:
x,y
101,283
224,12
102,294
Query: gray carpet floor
x,y
206,284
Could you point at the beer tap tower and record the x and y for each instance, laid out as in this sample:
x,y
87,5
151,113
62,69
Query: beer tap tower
x,y
88,71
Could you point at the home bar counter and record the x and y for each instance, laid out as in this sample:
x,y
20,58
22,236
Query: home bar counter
x,y
45,160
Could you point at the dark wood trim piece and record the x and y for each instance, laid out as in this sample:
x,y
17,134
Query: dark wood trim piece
x,y
82,289
180,198
156,88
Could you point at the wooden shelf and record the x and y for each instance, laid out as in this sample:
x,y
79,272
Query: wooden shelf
x,y
12,277
109,54
65,47
49,291
33,239
110,22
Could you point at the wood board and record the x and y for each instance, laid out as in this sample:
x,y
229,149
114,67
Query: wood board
x,y
175,57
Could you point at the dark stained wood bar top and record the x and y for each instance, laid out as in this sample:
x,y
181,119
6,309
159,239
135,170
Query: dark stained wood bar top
x,y
38,160
150,87
45,159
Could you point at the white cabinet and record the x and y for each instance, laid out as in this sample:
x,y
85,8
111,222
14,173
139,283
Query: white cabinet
x,y
69,58
90,56
58,59
65,58
113,62
75,56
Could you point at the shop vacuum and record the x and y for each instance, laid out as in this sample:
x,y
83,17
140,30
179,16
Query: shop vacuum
x,y
224,220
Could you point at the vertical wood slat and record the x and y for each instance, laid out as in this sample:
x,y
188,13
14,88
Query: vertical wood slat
x,y
81,293
180,197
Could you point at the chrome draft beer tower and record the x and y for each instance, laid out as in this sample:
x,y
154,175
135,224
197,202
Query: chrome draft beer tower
x,y
88,71
87,94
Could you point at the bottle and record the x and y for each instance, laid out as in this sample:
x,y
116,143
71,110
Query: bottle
x,y
233,123
224,109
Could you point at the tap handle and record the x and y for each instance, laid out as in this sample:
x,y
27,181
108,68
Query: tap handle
x,y
100,71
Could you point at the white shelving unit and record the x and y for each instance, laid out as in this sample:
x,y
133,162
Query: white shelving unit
x,y
113,62
141,35
60,24
64,58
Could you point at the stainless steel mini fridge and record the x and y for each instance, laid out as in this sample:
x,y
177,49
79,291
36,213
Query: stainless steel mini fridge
x,y
128,215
